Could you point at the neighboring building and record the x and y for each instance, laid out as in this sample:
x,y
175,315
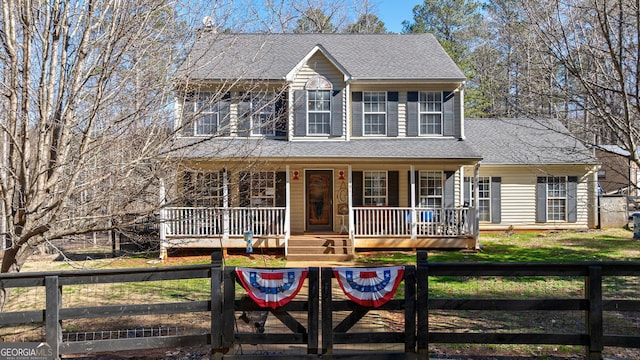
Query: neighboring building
x,y
618,175
361,141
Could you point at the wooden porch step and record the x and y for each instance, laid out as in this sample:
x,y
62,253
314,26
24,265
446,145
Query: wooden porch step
x,y
319,247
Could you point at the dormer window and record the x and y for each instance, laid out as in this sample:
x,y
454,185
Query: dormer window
x,y
318,106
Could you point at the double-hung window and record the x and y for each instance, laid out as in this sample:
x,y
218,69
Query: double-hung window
x,y
375,112
319,112
431,113
202,113
375,188
484,196
556,198
431,189
263,115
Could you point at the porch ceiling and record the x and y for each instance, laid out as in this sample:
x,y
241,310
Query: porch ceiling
x,y
398,149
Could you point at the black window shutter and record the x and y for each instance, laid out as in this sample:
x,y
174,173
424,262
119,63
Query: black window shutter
x,y
281,114
188,115
448,113
300,113
225,117
356,188
281,189
356,113
392,113
449,189
187,188
336,113
245,189
541,199
412,113
393,188
572,199
244,115
496,208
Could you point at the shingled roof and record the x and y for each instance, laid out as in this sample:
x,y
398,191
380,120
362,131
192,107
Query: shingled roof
x,y
364,149
525,142
217,56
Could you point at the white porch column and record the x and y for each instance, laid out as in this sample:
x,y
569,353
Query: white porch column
x,y
225,205
162,221
476,194
287,212
414,214
352,226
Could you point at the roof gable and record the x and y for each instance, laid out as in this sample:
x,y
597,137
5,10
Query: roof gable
x,y
398,57
317,49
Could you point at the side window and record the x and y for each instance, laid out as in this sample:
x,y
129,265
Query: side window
x,y
375,112
556,198
484,196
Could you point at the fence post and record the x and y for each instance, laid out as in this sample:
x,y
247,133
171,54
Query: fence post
x,y
422,304
314,310
216,304
53,293
327,311
593,288
410,309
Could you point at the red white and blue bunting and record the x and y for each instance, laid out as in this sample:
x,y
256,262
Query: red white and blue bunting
x,y
272,288
371,287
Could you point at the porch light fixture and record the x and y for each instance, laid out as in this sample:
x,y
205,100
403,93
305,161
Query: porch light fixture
x,y
340,175
295,175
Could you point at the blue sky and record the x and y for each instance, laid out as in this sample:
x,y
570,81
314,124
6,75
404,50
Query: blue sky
x,y
394,12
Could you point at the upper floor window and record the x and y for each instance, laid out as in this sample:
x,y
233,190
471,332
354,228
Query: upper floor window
x,y
556,198
202,113
375,112
263,114
375,188
430,113
431,189
318,106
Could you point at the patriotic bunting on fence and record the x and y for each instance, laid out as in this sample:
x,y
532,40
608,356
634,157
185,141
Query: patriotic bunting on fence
x,y
371,287
272,287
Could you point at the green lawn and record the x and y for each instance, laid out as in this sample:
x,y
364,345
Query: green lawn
x,y
556,246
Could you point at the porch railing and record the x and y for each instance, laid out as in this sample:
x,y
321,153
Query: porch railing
x,y
377,221
196,222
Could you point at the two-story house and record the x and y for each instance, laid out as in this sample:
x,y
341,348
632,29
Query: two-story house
x,y
324,143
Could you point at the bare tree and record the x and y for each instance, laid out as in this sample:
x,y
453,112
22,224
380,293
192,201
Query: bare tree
x,y
84,93
595,44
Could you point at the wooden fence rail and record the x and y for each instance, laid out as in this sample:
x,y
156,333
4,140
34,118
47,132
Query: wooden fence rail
x,y
318,331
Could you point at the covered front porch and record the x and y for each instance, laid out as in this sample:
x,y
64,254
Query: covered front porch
x,y
364,227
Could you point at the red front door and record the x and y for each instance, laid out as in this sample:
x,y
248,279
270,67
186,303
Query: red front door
x,y
319,202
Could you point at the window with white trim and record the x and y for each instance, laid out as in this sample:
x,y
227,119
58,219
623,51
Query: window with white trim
x,y
431,113
556,198
484,196
263,189
431,189
375,188
205,110
319,112
263,114
375,112
203,189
